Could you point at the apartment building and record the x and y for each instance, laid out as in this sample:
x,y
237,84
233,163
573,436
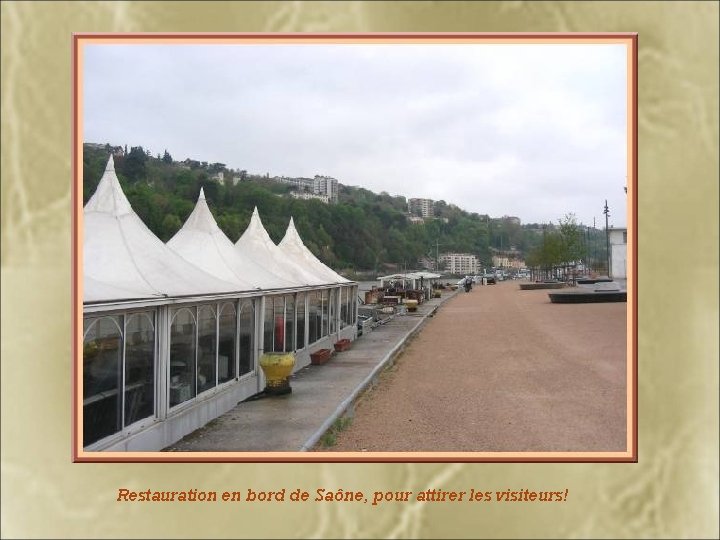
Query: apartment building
x,y
323,187
306,196
459,263
326,185
303,183
503,261
424,207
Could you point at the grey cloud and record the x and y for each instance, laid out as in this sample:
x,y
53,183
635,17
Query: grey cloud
x,y
533,131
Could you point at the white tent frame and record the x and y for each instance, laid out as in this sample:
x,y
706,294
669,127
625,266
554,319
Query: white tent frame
x,y
168,424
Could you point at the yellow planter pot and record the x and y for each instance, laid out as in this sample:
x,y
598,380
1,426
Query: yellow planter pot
x,y
411,305
277,368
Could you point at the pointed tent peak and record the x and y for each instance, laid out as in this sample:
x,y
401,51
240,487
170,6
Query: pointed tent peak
x,y
256,222
109,197
255,231
255,218
291,235
296,249
201,218
202,194
291,228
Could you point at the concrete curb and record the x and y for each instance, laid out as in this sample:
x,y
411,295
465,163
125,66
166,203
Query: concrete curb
x,y
360,388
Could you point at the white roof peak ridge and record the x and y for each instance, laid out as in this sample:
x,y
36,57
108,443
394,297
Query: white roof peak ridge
x,y
294,247
109,197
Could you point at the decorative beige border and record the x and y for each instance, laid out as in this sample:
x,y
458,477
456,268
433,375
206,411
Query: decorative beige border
x,y
80,40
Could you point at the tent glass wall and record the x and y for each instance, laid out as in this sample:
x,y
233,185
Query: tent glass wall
x,y
324,313
182,355
118,373
315,316
332,309
207,348
139,367
289,323
300,318
342,294
349,293
279,325
353,305
246,324
227,330
102,375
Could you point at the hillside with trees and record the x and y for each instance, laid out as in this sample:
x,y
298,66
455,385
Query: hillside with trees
x,y
364,231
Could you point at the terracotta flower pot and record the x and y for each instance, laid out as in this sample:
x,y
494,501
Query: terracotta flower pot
x,y
318,358
277,368
342,345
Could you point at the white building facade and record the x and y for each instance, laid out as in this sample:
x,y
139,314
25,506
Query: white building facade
x,y
459,263
327,186
424,207
304,195
618,252
321,186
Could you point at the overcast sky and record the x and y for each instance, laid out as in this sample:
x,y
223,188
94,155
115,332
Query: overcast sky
x,y
533,131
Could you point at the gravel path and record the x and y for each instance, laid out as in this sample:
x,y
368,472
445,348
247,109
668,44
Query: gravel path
x,y
499,369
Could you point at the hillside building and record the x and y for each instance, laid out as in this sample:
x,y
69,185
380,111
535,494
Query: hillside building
x,y
459,263
504,261
324,188
304,195
325,185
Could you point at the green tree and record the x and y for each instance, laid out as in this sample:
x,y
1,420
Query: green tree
x,y
571,239
134,166
170,225
230,225
364,230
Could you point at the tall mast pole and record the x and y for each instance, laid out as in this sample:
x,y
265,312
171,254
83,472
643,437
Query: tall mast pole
x,y
606,211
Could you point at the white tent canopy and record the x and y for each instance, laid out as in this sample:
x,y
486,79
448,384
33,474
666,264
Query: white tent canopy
x,y
122,256
256,243
201,242
391,277
94,290
413,277
425,275
294,248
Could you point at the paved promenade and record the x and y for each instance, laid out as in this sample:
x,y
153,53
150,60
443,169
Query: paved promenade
x,y
320,394
497,369
501,369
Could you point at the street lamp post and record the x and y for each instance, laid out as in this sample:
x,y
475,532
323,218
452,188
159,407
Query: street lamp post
x,y
588,266
606,211
437,255
594,245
